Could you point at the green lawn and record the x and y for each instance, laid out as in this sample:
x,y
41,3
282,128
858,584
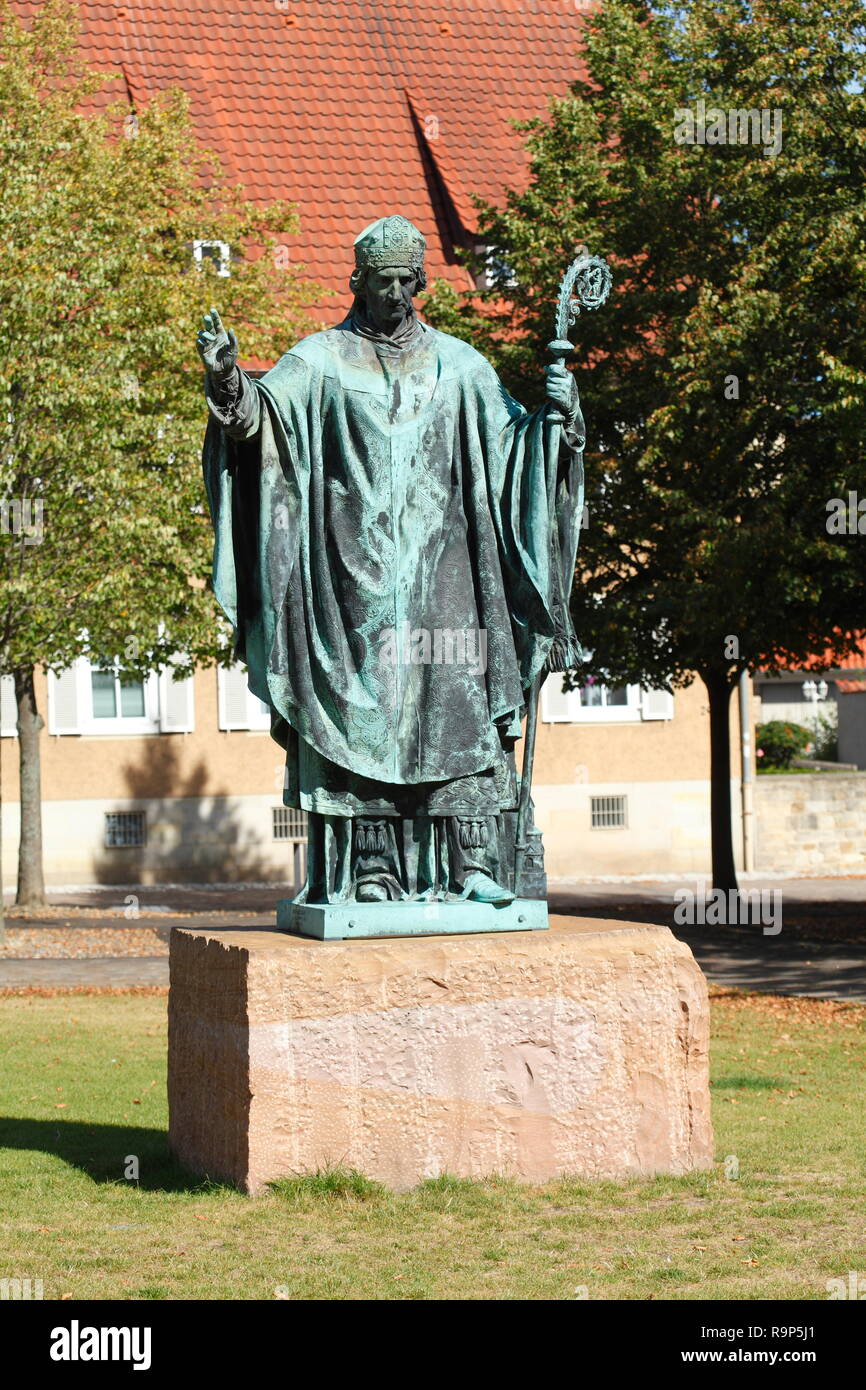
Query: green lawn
x,y
83,1085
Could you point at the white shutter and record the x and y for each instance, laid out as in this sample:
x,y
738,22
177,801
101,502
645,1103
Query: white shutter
x,y
232,701
656,704
556,707
176,710
64,701
8,707
258,713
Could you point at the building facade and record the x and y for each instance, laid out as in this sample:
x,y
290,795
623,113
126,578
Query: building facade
x,y
164,781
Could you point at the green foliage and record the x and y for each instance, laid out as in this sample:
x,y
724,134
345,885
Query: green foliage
x,y
101,407
707,548
825,734
778,742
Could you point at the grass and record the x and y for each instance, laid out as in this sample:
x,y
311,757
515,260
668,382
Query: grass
x,y
780,1213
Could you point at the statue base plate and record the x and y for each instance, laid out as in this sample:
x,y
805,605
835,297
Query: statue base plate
x,y
354,921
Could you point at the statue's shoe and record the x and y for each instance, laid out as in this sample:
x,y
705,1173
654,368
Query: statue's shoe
x,y
372,892
377,887
481,888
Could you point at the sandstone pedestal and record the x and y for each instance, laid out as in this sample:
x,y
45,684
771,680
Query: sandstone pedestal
x,y
581,1050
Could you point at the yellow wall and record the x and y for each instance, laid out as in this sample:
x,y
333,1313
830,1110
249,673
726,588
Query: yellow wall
x,y
643,751
206,762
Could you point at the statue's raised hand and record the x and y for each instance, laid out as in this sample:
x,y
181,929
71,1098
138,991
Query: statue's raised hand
x,y
217,348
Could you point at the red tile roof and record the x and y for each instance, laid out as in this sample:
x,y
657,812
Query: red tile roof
x,y
353,109
829,664
856,662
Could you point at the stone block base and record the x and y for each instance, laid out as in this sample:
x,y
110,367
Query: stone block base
x,y
581,1050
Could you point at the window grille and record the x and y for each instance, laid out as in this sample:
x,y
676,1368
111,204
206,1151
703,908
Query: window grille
x,y
289,824
608,812
124,828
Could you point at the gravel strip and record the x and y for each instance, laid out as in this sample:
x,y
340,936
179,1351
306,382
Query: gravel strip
x,y
80,943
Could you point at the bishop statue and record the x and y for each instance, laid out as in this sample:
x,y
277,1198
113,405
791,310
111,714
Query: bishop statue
x,y
395,559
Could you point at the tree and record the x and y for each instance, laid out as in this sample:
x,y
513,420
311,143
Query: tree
x,y
105,546
725,381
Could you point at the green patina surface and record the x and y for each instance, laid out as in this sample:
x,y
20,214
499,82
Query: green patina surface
x,y
344,921
394,533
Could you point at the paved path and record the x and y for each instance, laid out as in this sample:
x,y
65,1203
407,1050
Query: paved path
x,y
117,972
821,970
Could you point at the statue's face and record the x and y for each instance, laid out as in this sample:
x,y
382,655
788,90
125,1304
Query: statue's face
x,y
389,296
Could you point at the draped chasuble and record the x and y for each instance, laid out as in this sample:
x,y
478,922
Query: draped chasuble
x,y
385,553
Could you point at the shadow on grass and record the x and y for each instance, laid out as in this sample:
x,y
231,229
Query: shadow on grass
x,y
103,1152
748,1083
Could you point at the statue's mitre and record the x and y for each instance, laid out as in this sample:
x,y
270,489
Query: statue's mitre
x,y
390,241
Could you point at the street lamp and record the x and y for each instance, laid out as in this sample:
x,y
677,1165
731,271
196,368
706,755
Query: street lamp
x,y
814,691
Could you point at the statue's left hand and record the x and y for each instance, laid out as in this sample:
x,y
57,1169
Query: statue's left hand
x,y
562,390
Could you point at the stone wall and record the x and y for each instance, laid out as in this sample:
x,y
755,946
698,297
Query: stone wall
x,y
813,823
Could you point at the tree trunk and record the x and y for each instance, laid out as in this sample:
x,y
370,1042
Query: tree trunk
x,y
719,691
31,886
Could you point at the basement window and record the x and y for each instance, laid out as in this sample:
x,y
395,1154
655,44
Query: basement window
x,y
609,812
288,823
124,829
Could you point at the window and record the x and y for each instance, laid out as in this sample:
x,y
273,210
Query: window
x,y
497,273
289,824
116,696
112,701
124,829
86,699
216,251
596,696
608,812
598,703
